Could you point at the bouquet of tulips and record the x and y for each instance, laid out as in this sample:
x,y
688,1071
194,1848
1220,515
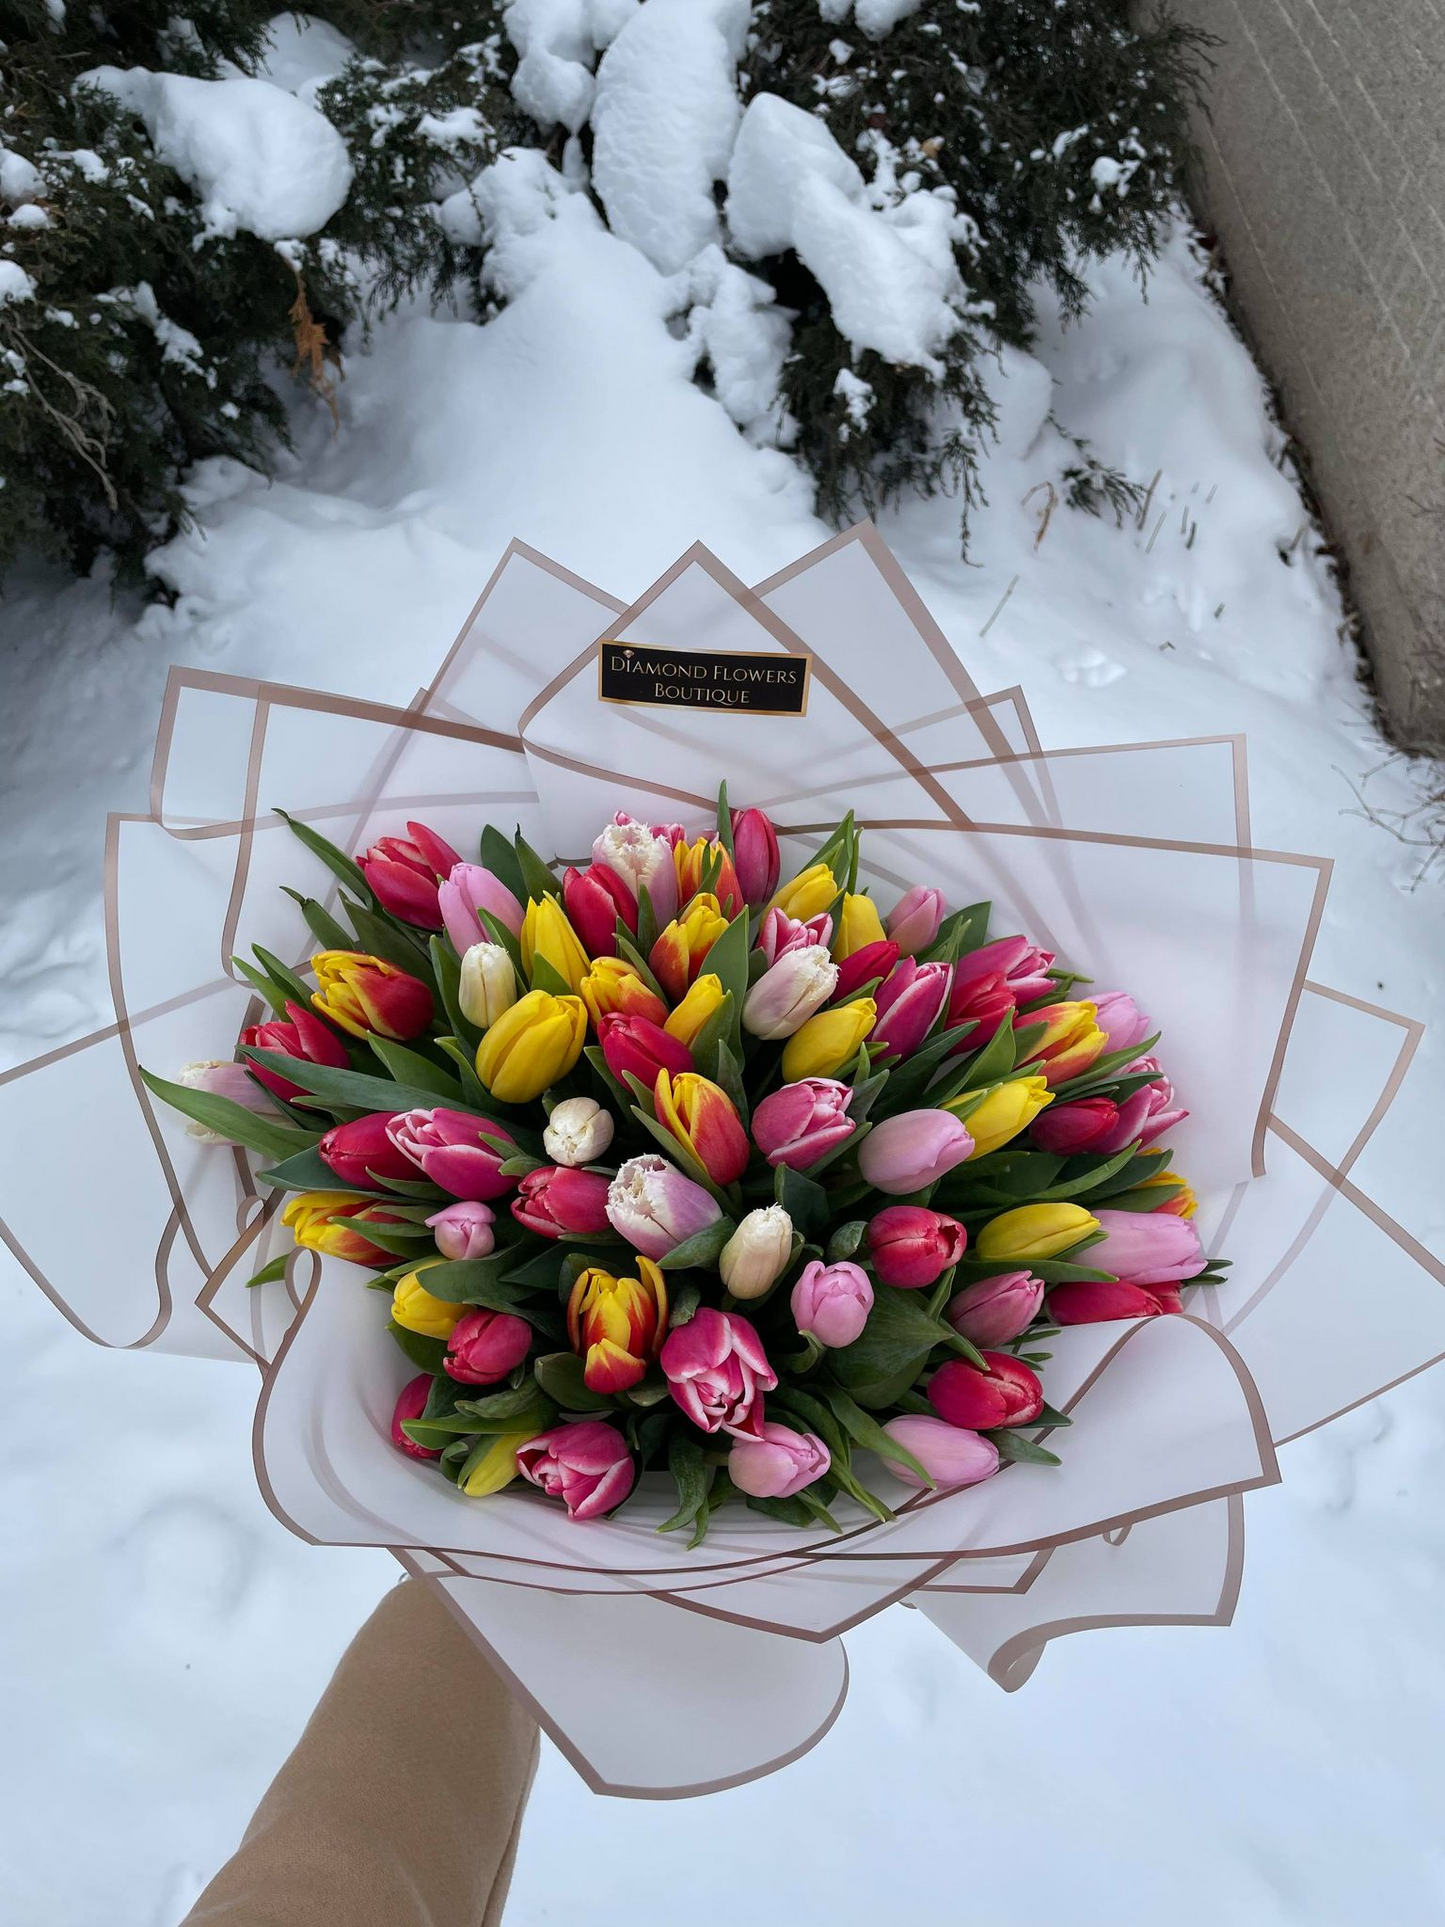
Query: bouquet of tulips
x,y
665,1163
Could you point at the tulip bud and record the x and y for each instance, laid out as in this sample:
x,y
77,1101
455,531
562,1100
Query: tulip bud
x,y
556,1202
415,1309
755,856
915,918
617,1325
778,1463
1007,1110
800,1123
808,894
366,994
757,1253
704,1120
655,1208
1178,1204
984,1002
1070,1043
913,1150
411,1403
456,1150
305,1038
858,924
951,1457
828,1040
587,1466
634,1046
912,1247
1032,1233
1100,1302
531,1045
487,984
222,1078
596,898
497,1466
696,1008
403,873
310,1217
1123,1023
547,934
706,857
643,859
677,956
873,963
789,991
1023,968
831,1302
1008,1393
577,1132
486,1345
779,933
994,1310
469,889
910,1002
361,1152
717,1371
613,988
463,1230
1147,1247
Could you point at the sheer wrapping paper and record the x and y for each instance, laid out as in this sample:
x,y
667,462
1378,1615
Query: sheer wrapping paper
x,y
1135,862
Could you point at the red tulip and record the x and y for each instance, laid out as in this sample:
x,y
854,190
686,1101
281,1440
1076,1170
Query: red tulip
x,y
305,1038
637,1045
486,1345
1008,1393
986,1002
755,856
594,899
411,1403
555,1200
912,1247
875,959
1101,1302
404,874
910,1001
361,1152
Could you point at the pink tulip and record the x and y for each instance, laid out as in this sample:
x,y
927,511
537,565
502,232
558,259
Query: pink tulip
x,y
872,963
595,899
994,1310
801,1122
486,1345
1147,1247
587,1466
235,1081
949,1455
458,1152
755,856
912,1247
641,855
985,1002
655,1208
305,1038
464,1230
468,889
1120,1019
1164,1110
778,1463
403,874
912,1151
831,1302
411,1403
780,934
556,1201
1008,1393
1101,1303
717,1371
915,918
361,1153
1023,967
910,1002
789,992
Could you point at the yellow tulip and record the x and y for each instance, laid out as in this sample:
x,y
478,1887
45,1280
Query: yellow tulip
x,y
531,1045
363,994
808,894
1070,1043
1033,1231
677,956
695,1009
496,1466
547,934
613,988
310,1217
1006,1111
828,1041
413,1306
1183,1204
691,860
858,924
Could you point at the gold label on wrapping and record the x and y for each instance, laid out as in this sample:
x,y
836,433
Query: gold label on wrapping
x,y
752,685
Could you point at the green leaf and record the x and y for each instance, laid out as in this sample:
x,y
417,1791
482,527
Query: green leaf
x,y
358,1090
846,1240
805,1202
251,1128
283,974
701,1251
1014,1446
335,860
691,1475
527,1409
380,936
996,1059
268,1274
536,878
474,1092
893,1347
495,931
433,1433
790,1512
448,973
425,1353
411,1068
727,960
1048,1415
276,995
560,1376
682,1303
330,934
498,854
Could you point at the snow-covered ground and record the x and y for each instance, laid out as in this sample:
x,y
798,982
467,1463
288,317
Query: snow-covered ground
x,y
1285,1772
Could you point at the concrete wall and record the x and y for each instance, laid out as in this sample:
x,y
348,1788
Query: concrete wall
x,y
1324,178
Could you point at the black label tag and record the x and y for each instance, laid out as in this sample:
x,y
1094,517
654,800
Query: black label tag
x,y
751,685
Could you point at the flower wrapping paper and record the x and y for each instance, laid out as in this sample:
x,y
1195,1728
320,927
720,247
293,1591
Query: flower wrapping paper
x,y
1134,862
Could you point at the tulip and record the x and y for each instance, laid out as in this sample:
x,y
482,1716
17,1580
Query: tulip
x,y
912,1247
415,1309
487,985
613,988
366,994
1033,1232
677,956
1123,1023
1164,1110
547,934
305,1038
779,933
704,1120
911,1151
778,1463
309,1218
756,858
486,1345
758,1252
910,1002
1023,967
828,1040
596,898
468,890
808,894
1147,1247
800,1123
991,1311
873,963
463,1230
1097,1302
587,1466
831,1302
695,1010
1008,1393
789,991
716,1370
914,920
411,1403
577,1132
1089,1124
655,1208
403,874
858,924
556,1202
635,1047
984,1002
693,860
1008,1109
617,1325
497,1466
222,1078
950,1456
456,1150
531,1045
643,858
1070,1043
361,1153
1179,1204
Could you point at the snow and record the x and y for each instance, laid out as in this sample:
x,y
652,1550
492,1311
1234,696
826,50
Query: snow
x,y
553,81
303,53
260,159
15,283
20,179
